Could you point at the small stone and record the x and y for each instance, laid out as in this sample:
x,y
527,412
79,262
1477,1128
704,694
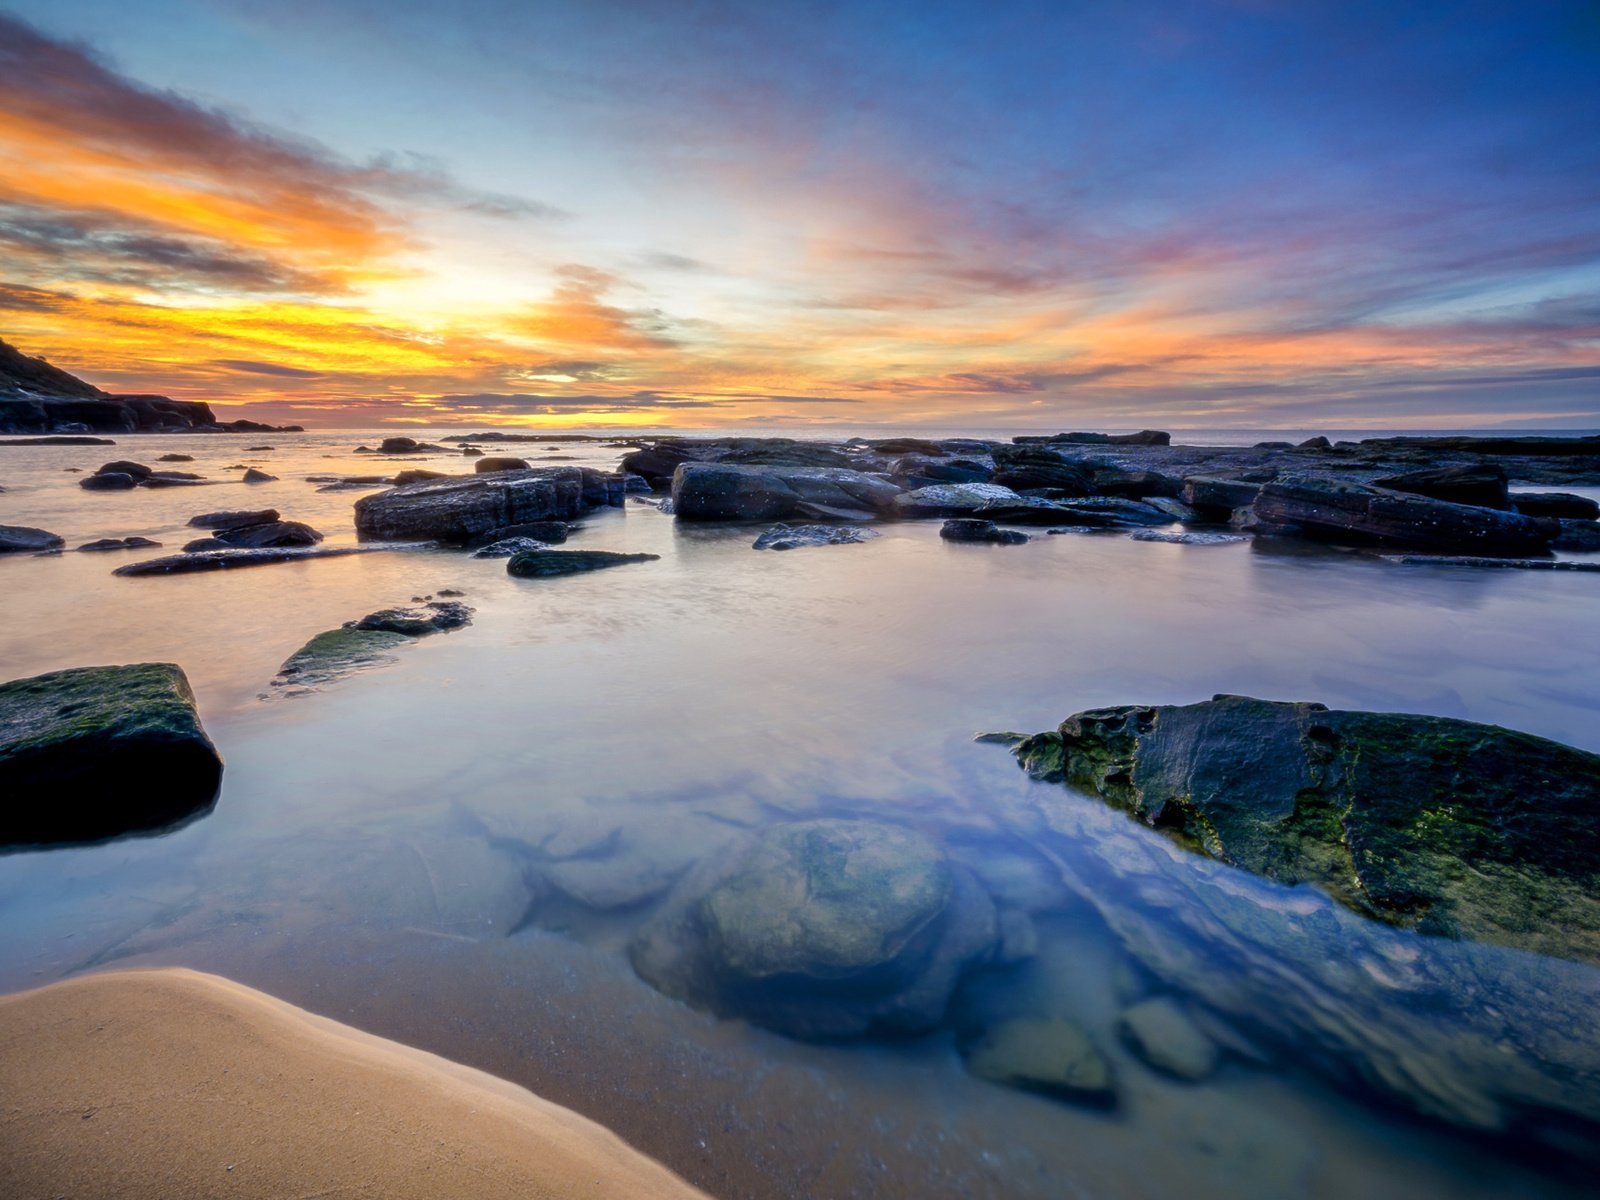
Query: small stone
x,y
1043,1054
1164,1037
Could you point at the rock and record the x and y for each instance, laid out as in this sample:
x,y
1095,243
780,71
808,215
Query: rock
x,y
1577,535
59,441
471,452
1555,504
546,564
788,454
917,470
657,462
1483,484
1509,447
1187,538
127,543
729,492
272,533
96,752
1315,443
492,463
507,547
418,475
405,445
1219,495
1176,509
258,449
1106,512
828,928
795,537
551,533
1045,1055
21,539
438,616
336,653
952,499
635,485
1134,485
123,467
966,529
170,479
1503,564
1351,512
1162,1035
457,510
234,520
227,558
1022,467
176,458
108,481
1434,824
252,475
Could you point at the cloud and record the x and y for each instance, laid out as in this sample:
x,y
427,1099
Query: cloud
x,y
19,298
250,367
531,404
576,315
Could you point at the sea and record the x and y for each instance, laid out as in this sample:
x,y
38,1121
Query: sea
x,y
432,850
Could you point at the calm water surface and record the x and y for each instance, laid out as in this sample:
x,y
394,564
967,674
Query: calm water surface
x,y
435,851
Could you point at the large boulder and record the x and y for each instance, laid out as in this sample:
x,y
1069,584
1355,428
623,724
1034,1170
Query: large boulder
x,y
1430,823
457,510
1022,467
826,928
24,539
1483,484
730,492
499,462
95,752
1353,512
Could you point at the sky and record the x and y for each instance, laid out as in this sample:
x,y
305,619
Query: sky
x,y
929,213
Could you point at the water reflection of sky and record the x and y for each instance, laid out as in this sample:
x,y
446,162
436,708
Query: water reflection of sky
x,y
402,849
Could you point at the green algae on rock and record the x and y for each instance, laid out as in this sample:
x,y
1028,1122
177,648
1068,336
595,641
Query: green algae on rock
x,y
546,564
95,752
1441,825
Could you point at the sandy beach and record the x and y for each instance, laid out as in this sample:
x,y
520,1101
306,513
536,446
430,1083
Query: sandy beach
x,y
173,1083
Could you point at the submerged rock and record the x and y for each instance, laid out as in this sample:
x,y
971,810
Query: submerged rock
x,y
96,752
1187,538
127,543
1161,1033
365,643
1041,1054
228,558
1431,823
545,563
271,533
827,928
252,475
23,539
795,537
436,616
967,529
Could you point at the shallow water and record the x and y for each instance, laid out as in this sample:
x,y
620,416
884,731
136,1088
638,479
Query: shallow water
x,y
410,848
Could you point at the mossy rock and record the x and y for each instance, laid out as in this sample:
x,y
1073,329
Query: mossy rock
x,y
336,653
96,752
1431,823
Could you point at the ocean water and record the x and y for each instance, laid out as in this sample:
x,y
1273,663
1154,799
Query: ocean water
x,y
427,850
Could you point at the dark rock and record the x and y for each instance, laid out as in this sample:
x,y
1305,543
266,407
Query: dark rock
x,y
166,479
1106,512
1508,447
634,485
21,539
336,653
108,481
1353,512
257,449
123,467
492,463
1224,495
657,462
1186,538
1273,445
966,529
228,558
1555,504
96,752
127,543
176,458
1020,467
952,499
917,471
59,440
1511,564
36,397
1577,535
405,445
796,537
550,533
1483,484
907,446
545,564
788,454
827,928
272,533
1145,437
234,520
252,475
1040,1054
471,452
1430,823
1315,443
417,475
507,547
1133,485
458,510
729,492
437,616
1161,1033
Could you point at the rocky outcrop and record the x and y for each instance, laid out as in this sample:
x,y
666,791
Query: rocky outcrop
x,y
825,929
1430,823
97,752
1024,467
23,539
548,564
1483,484
1363,514
796,537
457,510
731,492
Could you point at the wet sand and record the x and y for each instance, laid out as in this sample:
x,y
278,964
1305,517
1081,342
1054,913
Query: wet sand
x,y
172,1083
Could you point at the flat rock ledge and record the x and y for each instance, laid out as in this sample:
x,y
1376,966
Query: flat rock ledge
x,y
97,752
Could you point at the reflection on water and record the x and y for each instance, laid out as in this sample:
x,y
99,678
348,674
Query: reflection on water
x,y
458,849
